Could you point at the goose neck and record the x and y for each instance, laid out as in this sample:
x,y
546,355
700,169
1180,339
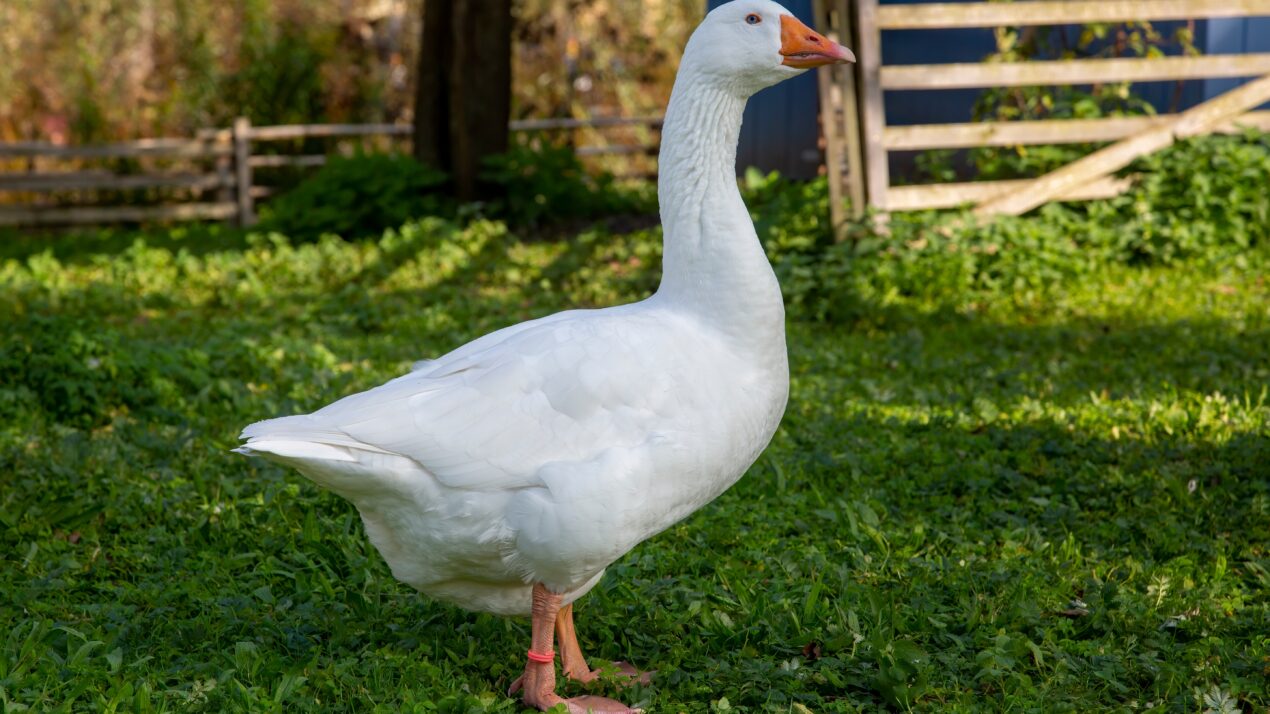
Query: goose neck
x,y
698,153
713,263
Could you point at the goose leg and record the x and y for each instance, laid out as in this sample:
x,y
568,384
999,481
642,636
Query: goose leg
x,y
538,684
572,661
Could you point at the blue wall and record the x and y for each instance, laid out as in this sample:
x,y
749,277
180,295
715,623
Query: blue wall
x,y
781,130
1233,36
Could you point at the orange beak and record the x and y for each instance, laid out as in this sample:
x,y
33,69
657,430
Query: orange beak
x,y
804,48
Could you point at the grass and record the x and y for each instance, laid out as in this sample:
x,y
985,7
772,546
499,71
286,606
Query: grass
x,y
1057,501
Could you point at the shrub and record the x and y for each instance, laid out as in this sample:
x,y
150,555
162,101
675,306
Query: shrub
x,y
363,195
1203,194
1204,197
546,183
358,196
81,375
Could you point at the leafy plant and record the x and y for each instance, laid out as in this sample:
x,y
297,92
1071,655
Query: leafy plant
x,y
358,196
80,375
544,182
1203,194
903,672
1203,197
363,195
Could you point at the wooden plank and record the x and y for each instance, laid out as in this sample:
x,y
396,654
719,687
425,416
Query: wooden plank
x,y
305,131
273,161
593,123
97,181
1088,71
224,165
1196,120
316,160
175,148
1044,132
222,136
953,195
40,216
831,126
877,172
935,16
50,176
242,172
849,88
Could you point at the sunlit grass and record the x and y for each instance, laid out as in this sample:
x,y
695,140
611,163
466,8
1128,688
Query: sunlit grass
x,y
1060,504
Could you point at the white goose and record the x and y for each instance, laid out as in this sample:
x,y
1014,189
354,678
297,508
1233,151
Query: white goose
x,y
506,475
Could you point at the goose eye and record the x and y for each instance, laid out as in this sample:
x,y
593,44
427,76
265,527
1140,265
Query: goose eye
x,y
753,19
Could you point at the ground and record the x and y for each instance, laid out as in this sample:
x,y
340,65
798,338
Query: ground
x,y
1044,502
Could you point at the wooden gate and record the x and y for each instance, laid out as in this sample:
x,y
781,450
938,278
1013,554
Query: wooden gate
x,y
859,140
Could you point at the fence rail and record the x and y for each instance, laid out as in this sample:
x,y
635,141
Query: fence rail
x,y
222,164
1043,132
942,16
1083,71
103,181
41,216
173,148
1085,179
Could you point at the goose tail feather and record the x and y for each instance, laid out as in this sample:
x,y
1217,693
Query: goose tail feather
x,y
327,455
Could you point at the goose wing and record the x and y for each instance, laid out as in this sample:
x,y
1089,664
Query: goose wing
x,y
490,415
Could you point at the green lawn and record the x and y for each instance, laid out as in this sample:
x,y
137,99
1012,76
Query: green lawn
x,y
1052,500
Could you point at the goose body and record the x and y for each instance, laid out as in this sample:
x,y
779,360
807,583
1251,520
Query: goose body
x,y
506,475
542,452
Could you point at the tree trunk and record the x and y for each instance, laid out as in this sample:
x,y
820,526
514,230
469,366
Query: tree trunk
x,y
432,98
463,102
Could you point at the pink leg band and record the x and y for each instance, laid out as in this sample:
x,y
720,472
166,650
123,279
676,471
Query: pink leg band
x,y
541,657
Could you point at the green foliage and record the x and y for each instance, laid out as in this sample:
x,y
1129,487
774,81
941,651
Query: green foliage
x,y
1022,467
1202,195
1201,199
358,196
789,216
365,194
545,183
129,69
279,80
76,374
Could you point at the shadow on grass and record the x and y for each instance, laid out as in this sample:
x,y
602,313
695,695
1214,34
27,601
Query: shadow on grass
x,y
1042,474
952,360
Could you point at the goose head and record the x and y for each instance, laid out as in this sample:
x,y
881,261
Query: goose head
x,y
752,44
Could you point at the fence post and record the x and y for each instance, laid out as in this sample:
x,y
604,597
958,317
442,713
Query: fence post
x,y
224,165
850,90
831,124
242,164
877,172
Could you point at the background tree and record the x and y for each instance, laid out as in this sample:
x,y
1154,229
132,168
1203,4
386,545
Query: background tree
x,y
463,96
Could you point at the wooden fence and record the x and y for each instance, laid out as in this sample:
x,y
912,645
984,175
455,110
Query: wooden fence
x,y
217,175
858,141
